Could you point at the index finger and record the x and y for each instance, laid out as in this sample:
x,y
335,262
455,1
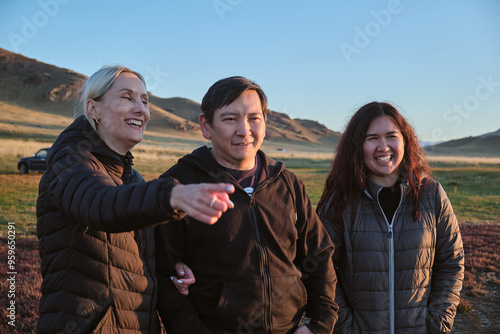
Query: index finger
x,y
220,187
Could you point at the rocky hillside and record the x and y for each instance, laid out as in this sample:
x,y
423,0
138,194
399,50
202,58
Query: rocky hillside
x,y
31,84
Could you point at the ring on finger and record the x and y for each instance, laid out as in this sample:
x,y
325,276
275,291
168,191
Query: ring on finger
x,y
213,201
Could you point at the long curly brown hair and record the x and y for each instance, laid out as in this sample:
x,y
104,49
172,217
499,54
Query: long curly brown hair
x,y
347,178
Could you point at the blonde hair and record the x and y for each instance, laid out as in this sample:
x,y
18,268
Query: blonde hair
x,y
97,85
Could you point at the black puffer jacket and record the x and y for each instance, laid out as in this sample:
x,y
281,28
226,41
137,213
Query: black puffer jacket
x,y
258,268
98,262
403,277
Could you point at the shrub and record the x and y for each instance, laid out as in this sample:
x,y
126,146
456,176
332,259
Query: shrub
x,y
464,306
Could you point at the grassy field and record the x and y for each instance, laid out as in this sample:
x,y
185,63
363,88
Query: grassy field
x,y
473,189
472,185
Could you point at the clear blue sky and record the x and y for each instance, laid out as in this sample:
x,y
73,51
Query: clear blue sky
x,y
438,61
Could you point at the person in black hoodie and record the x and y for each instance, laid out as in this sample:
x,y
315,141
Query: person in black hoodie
x,y
266,266
97,257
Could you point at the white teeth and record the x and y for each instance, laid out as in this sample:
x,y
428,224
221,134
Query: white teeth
x,y
134,122
384,159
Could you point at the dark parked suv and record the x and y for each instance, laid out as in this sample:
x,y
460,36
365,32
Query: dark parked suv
x,y
36,163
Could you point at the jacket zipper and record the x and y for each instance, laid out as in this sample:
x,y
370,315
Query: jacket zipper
x,y
265,271
262,251
392,311
267,285
391,280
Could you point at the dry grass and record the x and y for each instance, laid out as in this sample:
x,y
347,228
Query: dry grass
x,y
18,122
18,195
11,150
19,115
20,148
467,160
299,154
478,308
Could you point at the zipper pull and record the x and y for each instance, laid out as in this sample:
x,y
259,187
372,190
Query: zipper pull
x,y
389,234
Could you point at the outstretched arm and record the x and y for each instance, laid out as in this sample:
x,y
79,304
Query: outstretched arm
x,y
205,201
92,197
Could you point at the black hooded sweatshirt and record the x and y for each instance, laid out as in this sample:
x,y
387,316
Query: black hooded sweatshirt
x,y
257,270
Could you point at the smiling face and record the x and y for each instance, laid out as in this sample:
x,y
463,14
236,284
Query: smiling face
x,y
123,113
237,131
383,151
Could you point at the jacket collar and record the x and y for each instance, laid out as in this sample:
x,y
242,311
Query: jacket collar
x,y
81,139
372,188
202,159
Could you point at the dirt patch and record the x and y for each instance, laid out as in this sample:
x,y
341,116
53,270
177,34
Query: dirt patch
x,y
484,316
481,287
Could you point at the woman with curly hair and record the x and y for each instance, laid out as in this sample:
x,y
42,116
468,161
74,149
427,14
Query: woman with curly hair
x,y
398,250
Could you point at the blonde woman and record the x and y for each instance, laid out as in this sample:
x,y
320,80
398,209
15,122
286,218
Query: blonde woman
x,y
93,209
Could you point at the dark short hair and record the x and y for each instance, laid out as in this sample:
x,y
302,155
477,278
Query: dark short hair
x,y
226,91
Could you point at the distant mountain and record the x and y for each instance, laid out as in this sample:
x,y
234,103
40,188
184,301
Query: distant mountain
x,y
32,85
487,144
496,133
425,144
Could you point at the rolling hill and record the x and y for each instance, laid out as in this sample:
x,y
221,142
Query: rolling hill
x,y
39,90
485,145
37,101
